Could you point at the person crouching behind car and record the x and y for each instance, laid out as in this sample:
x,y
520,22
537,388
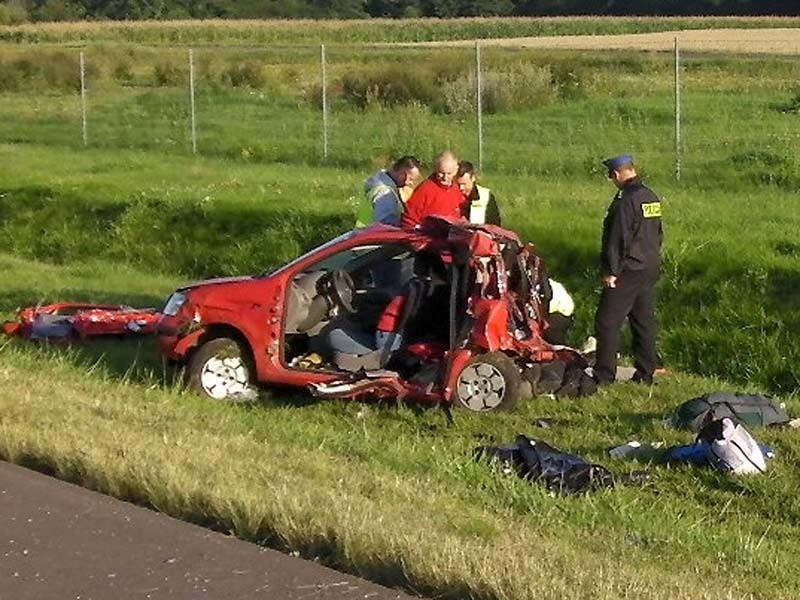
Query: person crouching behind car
x,y
560,314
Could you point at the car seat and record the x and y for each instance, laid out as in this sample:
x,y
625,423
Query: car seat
x,y
416,291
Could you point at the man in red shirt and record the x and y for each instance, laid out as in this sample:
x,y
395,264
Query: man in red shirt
x,y
436,196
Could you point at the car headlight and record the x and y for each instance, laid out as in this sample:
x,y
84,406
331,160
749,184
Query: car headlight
x,y
174,304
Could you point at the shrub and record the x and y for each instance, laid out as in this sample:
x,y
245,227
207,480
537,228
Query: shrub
x,y
166,73
62,71
392,86
523,86
13,13
122,71
52,70
10,77
246,74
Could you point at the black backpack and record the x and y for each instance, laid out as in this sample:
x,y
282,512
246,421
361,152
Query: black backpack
x,y
751,410
538,461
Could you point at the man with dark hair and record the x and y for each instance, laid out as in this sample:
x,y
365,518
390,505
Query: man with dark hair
x,y
479,204
630,264
382,202
436,196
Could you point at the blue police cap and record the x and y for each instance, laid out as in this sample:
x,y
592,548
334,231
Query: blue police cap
x,y
618,161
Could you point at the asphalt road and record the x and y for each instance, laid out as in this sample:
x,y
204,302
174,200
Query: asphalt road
x,y
62,542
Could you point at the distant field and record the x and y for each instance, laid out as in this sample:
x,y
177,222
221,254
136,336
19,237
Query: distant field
x,y
221,32
739,41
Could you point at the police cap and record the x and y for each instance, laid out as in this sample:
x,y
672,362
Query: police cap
x,y
618,161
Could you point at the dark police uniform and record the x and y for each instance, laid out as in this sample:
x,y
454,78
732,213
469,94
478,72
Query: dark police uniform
x,y
632,236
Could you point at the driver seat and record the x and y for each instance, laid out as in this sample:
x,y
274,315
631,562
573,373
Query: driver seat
x,y
377,359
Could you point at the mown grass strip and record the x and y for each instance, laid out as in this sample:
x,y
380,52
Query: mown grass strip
x,y
393,495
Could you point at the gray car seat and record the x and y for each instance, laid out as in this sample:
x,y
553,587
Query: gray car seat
x,y
379,358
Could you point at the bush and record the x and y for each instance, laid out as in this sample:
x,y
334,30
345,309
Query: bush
x,y
392,86
53,71
59,10
62,71
122,71
13,13
247,74
167,73
523,86
10,77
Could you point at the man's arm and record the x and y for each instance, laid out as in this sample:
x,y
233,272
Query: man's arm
x,y
386,208
612,241
617,241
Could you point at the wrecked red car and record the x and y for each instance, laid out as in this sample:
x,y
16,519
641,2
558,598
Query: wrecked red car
x,y
467,305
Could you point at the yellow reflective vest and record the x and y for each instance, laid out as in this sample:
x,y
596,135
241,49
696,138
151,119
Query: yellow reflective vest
x,y
477,206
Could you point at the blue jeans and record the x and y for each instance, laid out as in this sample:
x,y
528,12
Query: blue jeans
x,y
359,342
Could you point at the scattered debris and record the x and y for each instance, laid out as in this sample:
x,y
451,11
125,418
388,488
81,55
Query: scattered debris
x,y
753,410
538,461
64,320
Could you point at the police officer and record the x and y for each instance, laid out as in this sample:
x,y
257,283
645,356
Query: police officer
x,y
630,263
382,201
480,206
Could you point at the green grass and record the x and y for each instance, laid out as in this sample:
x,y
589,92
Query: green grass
x,y
392,493
726,298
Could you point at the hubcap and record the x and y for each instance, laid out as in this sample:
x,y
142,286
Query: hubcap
x,y
224,377
481,386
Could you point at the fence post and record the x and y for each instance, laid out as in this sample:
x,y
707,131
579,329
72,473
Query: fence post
x,y
191,101
83,100
677,111
324,103
479,103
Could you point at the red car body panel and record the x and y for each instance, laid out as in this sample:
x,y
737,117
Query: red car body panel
x,y
254,308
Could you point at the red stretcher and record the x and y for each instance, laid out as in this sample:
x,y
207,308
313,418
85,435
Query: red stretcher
x,y
65,320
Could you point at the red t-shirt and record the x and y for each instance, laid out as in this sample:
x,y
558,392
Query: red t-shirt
x,y
432,199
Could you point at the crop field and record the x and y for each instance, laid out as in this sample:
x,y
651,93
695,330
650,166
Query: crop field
x,y
391,492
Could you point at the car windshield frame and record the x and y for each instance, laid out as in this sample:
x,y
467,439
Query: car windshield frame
x,y
321,248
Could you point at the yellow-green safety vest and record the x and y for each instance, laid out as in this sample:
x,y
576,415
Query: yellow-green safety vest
x,y
477,207
365,213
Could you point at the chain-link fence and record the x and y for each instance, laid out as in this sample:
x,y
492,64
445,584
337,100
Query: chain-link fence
x,y
513,110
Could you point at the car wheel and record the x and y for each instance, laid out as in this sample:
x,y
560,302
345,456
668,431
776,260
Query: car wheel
x,y
222,370
488,382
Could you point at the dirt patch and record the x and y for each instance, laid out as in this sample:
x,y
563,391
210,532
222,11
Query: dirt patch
x,y
740,41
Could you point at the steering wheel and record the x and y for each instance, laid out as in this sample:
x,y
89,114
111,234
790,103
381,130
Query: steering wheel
x,y
341,288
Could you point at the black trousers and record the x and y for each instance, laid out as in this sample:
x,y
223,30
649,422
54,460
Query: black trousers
x,y
634,298
559,325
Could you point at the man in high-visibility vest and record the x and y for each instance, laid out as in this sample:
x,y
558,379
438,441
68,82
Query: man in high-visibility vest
x,y
382,201
479,206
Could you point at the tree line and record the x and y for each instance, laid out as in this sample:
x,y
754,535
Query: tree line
x,y
18,11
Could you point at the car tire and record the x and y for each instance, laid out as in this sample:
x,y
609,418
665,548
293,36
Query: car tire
x,y
488,382
222,369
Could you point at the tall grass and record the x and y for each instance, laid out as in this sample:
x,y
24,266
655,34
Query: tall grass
x,y
368,31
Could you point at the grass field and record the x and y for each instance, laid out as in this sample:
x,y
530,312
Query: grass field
x,y
391,492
